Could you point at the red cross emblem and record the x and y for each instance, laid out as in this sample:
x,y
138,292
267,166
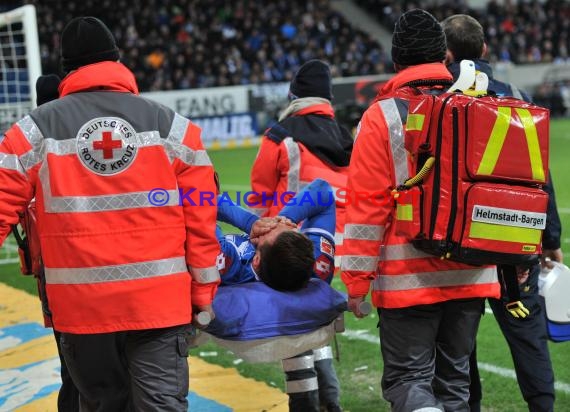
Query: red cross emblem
x,y
107,145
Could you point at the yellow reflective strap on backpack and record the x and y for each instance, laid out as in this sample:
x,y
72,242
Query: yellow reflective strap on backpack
x,y
405,212
496,141
532,143
480,230
415,121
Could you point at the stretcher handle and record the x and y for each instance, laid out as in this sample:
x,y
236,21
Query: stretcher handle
x,y
364,307
203,318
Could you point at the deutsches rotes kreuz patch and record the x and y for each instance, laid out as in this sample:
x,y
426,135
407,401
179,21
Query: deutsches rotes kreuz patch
x,y
107,145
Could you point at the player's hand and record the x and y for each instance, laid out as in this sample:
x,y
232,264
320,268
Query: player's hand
x,y
354,305
286,221
262,227
549,256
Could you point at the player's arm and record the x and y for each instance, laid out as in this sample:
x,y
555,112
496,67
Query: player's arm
x,y
195,177
229,212
314,206
368,206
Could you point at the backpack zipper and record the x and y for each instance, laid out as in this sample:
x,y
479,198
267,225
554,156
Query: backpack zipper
x,y
437,171
454,176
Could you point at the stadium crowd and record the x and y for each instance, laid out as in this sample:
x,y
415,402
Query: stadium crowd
x,y
517,31
204,43
201,43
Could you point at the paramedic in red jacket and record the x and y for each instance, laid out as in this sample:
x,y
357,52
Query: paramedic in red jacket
x,y
307,143
119,270
429,308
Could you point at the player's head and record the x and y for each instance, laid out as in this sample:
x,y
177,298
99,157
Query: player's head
x,y
47,88
284,259
465,38
86,40
417,39
313,79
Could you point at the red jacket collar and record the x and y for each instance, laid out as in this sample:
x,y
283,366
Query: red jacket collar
x,y
429,71
321,109
107,76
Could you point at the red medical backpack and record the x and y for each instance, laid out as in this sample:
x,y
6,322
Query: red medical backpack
x,y
480,163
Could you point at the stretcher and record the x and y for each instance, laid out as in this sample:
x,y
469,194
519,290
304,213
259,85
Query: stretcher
x,y
260,324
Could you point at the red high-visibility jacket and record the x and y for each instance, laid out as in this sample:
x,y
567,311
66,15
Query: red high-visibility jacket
x,y
284,165
401,275
117,256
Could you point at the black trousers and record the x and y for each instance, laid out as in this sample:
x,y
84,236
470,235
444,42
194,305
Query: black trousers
x,y
426,351
68,396
528,342
144,370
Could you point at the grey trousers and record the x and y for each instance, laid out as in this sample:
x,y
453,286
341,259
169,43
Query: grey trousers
x,y
144,370
426,351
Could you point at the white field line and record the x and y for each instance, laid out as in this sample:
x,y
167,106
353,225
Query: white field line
x,y
564,210
364,335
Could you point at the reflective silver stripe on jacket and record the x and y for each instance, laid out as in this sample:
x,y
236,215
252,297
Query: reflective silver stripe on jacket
x,y
399,155
102,203
363,232
176,149
69,146
10,162
402,252
323,353
32,133
412,281
298,363
303,385
294,156
359,263
205,275
139,270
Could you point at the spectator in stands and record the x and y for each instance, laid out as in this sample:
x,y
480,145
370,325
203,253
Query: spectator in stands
x,y
157,36
526,337
517,31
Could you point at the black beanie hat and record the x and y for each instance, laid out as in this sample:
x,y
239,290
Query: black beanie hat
x,y
312,80
47,88
86,40
418,38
